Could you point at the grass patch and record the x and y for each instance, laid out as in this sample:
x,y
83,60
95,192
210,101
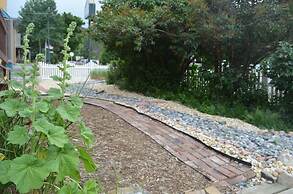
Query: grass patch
x,y
99,74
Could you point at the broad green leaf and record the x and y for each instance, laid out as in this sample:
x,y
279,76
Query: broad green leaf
x,y
89,163
55,134
42,125
28,173
87,135
69,112
42,106
4,168
65,160
76,101
54,93
19,136
25,113
70,188
91,187
12,107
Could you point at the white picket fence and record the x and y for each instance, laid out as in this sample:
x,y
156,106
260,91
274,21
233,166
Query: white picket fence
x,y
79,73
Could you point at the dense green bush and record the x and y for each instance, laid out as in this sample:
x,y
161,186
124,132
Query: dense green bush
x,y
280,70
36,152
152,37
205,84
158,40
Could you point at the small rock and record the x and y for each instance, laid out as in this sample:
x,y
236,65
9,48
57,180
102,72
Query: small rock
x,y
286,180
212,190
268,175
286,158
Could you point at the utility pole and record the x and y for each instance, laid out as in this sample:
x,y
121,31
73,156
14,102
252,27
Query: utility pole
x,y
90,12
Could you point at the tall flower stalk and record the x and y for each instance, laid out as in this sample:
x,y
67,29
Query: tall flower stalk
x,y
36,153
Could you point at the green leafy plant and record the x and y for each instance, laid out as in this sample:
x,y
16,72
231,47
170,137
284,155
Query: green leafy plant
x,y
280,70
36,152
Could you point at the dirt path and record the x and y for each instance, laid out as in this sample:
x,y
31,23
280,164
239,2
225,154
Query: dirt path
x,y
126,156
215,166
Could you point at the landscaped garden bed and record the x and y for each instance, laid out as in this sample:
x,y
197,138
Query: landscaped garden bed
x,y
262,148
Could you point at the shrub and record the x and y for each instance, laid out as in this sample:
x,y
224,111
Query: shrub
x,y
266,119
37,154
151,39
280,70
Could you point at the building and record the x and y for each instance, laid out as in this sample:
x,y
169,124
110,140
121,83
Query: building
x,y
3,4
3,32
90,9
13,41
8,42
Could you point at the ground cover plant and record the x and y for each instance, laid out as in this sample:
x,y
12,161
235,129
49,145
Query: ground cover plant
x,y
36,152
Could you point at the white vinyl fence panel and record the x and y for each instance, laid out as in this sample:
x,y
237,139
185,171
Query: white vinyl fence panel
x,y
79,73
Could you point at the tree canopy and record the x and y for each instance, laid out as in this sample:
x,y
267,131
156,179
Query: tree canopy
x,y
50,26
157,40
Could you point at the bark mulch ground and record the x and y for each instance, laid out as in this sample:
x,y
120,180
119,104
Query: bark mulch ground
x,y
128,157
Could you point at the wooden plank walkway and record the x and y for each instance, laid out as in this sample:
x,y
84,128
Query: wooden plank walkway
x,y
215,166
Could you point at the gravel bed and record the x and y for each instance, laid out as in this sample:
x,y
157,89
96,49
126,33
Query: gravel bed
x,y
266,144
128,157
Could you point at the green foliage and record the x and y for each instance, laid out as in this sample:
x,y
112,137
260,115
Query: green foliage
x,y
157,40
28,172
49,24
209,49
18,136
37,155
261,117
280,70
106,57
42,13
154,41
267,119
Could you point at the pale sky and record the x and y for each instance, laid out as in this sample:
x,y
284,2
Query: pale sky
x,y
76,7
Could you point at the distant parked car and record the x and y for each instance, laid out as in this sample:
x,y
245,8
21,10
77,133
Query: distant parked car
x,y
95,61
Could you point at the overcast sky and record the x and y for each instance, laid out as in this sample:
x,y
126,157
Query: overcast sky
x,y
76,7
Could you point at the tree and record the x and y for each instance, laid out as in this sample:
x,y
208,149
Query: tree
x,y
156,41
43,13
50,27
76,42
152,37
237,35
